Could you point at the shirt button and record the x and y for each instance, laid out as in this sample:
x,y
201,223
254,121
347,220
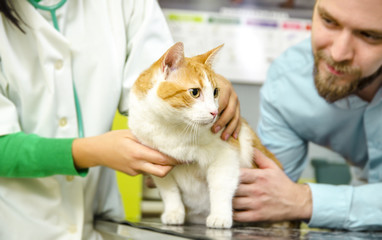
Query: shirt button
x,y
72,229
58,65
69,178
63,121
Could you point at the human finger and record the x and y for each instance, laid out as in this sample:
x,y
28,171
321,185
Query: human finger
x,y
228,103
244,216
233,126
145,153
238,126
263,161
243,190
225,92
156,170
248,175
229,109
241,203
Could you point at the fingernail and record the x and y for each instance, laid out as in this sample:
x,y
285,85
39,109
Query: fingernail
x,y
235,135
217,129
225,136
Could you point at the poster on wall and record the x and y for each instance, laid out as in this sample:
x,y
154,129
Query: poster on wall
x,y
252,40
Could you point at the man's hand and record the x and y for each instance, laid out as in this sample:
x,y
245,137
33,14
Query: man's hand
x,y
229,110
121,151
267,194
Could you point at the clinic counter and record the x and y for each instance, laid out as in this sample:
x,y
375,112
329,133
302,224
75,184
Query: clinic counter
x,y
153,229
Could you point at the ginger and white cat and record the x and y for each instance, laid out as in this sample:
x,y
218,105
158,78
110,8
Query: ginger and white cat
x,y
173,105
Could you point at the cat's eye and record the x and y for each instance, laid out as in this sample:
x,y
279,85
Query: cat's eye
x,y
216,92
195,92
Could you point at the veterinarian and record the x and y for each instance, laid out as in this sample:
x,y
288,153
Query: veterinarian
x,y
326,90
65,67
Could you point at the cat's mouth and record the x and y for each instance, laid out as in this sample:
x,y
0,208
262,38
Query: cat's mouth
x,y
200,120
205,122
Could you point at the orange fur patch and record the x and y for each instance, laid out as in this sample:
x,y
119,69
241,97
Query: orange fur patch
x,y
234,142
256,143
190,75
174,94
146,80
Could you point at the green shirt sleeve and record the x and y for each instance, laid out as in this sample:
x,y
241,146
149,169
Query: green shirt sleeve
x,y
28,155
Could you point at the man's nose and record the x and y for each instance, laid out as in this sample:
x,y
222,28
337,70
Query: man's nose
x,y
343,47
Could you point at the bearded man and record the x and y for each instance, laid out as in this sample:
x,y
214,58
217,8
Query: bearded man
x,y
325,90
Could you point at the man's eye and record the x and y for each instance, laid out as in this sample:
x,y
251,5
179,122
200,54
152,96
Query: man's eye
x,y
371,37
328,21
194,92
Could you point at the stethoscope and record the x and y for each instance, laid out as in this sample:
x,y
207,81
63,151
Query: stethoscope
x,y
52,9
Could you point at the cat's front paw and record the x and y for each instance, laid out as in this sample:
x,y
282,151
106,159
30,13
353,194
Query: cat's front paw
x,y
175,217
219,221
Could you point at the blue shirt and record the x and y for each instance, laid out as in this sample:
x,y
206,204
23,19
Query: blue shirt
x,y
293,114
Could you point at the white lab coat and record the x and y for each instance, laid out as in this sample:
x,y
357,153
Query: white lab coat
x,y
102,45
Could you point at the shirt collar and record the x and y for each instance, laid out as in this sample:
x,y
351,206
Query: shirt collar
x,y
354,102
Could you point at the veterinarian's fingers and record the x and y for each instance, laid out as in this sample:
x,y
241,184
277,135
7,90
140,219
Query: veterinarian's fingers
x,y
163,159
263,161
238,127
225,92
230,118
156,170
229,110
233,127
130,171
153,156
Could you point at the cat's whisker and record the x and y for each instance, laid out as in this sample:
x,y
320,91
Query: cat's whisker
x,y
193,133
195,136
186,131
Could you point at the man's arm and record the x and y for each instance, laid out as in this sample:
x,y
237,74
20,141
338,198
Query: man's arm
x,y
347,207
266,194
344,207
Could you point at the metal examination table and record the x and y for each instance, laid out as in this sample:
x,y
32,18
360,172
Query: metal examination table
x,y
149,229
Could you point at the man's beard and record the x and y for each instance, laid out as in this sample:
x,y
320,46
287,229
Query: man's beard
x,y
327,86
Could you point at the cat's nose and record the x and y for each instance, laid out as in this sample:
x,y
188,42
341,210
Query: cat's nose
x,y
214,113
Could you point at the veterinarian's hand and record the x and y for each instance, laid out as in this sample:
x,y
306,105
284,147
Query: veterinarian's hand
x,y
267,194
121,151
229,110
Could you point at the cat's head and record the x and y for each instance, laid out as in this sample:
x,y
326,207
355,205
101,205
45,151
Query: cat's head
x,y
182,87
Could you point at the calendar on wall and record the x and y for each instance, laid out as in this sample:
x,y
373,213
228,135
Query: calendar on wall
x,y
252,39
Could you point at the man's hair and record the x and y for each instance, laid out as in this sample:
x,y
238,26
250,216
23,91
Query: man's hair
x,y
7,9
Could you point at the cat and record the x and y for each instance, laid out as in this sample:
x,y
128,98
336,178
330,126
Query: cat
x,y
172,107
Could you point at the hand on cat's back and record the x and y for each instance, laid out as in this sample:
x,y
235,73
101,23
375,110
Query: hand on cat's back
x,y
229,110
267,194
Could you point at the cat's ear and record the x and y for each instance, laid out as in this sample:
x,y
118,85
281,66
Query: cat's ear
x,y
208,57
173,58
